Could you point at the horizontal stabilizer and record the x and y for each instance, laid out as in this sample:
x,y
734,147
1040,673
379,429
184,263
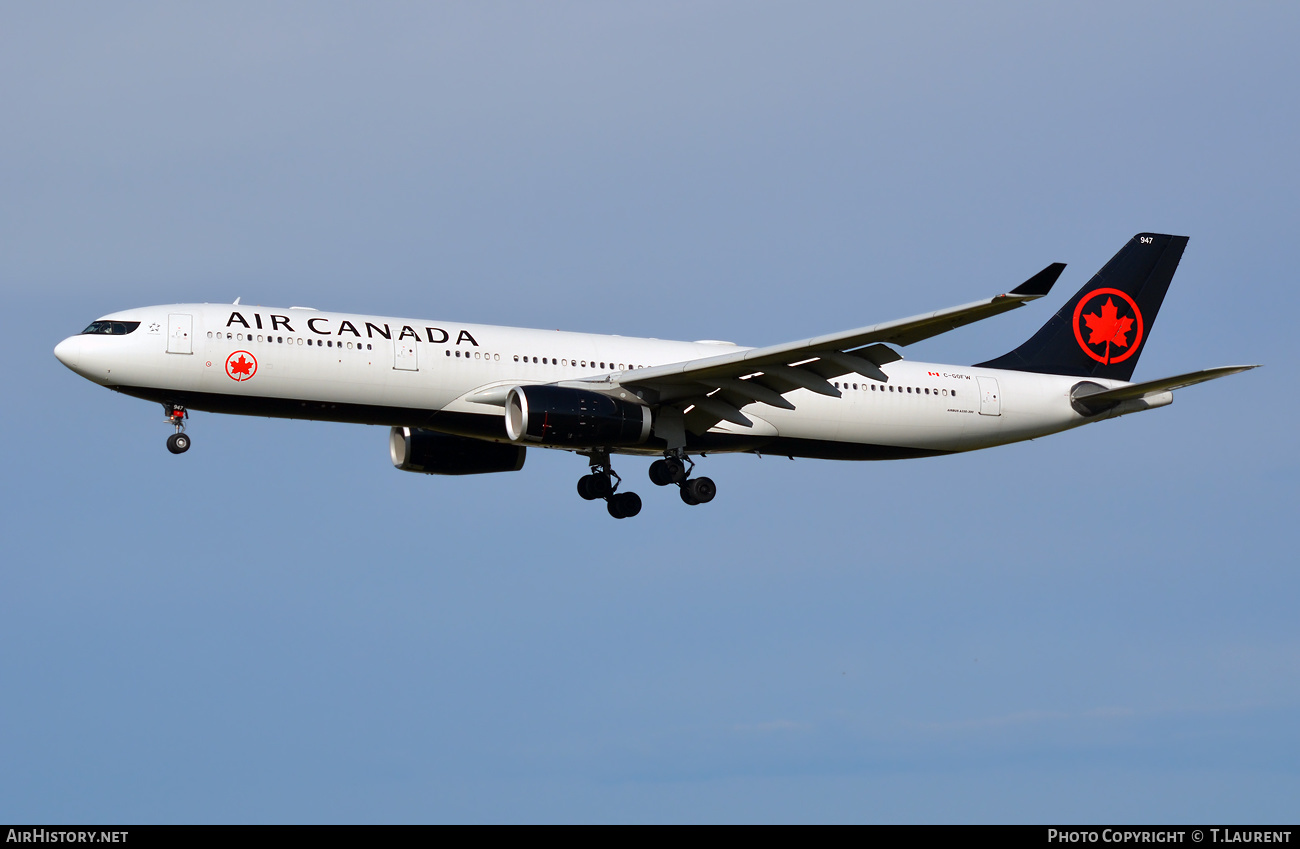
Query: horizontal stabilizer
x,y
1104,399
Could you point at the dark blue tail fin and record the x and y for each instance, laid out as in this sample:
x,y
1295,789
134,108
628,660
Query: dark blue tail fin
x,y
1100,332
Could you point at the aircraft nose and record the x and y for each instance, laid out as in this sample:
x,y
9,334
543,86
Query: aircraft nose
x,y
68,351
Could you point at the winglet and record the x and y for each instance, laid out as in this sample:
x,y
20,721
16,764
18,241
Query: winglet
x,y
1041,283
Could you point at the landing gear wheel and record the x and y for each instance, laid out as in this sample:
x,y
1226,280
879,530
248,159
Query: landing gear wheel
x,y
687,497
660,474
668,470
592,487
702,490
624,505
178,443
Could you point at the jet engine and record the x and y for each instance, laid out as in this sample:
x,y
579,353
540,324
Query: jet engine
x,y
574,418
417,450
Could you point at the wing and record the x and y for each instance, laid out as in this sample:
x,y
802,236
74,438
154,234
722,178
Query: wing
x,y
714,389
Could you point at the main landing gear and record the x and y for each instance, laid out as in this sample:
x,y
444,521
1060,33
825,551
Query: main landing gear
x,y
603,483
676,468
178,442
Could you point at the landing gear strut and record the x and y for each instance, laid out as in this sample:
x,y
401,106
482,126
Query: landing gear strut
x,y
603,483
676,468
178,442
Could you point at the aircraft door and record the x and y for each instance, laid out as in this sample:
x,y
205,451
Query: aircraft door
x,y
180,332
990,403
404,355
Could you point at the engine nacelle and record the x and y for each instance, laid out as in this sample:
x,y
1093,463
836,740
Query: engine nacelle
x,y
574,418
417,450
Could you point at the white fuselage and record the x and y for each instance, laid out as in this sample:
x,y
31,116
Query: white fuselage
x,y
308,364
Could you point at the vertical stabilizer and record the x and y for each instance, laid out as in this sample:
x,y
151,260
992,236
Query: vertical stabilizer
x,y
1101,331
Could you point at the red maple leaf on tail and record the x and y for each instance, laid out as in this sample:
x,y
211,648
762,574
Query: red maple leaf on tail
x,y
1108,328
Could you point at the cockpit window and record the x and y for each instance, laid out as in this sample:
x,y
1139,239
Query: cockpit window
x,y
110,328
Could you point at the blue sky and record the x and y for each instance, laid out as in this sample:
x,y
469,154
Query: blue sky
x,y
278,626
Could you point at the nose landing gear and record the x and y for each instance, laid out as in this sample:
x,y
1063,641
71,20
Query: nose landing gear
x,y
676,468
178,442
603,483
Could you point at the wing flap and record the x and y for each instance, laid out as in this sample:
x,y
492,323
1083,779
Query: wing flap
x,y
715,406
749,391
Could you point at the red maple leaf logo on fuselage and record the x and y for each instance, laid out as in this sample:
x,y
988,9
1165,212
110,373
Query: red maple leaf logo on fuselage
x,y
241,366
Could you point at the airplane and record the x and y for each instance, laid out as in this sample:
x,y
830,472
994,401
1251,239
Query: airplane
x,y
471,399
